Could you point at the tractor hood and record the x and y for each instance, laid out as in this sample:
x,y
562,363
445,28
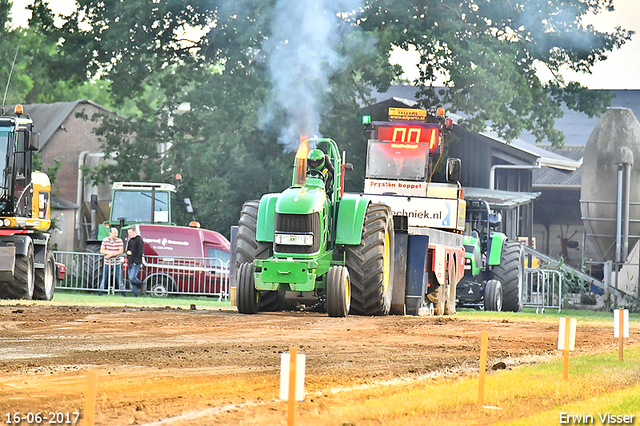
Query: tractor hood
x,y
302,200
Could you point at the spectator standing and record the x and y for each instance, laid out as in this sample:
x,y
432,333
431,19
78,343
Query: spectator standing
x,y
112,247
135,250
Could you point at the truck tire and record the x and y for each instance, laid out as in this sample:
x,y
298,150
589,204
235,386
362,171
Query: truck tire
x,y
493,296
24,276
510,273
45,284
92,267
248,297
370,264
338,292
248,249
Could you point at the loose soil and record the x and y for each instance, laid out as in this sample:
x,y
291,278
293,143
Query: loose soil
x,y
202,367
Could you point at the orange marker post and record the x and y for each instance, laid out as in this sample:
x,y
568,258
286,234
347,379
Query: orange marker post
x,y
483,367
90,399
293,354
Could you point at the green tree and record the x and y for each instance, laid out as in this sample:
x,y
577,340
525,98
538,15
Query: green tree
x,y
35,78
489,52
220,57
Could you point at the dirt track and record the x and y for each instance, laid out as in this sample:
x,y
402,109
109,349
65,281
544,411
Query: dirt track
x,y
155,364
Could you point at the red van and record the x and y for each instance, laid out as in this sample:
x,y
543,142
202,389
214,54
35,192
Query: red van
x,y
184,260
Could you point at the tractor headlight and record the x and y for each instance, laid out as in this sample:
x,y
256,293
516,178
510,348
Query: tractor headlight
x,y
294,239
7,222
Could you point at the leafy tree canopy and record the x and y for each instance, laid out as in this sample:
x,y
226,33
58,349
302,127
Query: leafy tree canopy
x,y
34,77
225,58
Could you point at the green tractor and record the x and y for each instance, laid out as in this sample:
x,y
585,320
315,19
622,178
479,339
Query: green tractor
x,y
494,265
316,241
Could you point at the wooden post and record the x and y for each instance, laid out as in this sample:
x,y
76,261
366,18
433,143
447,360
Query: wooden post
x,y
567,343
90,399
483,367
293,354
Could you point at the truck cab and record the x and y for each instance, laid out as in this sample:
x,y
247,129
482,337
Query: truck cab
x,y
429,217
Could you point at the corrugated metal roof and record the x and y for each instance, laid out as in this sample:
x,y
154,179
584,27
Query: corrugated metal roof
x,y
548,177
501,200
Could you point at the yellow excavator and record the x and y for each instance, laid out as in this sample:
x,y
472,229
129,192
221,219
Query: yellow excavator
x,y
27,264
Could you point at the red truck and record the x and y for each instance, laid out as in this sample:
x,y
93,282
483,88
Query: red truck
x,y
184,260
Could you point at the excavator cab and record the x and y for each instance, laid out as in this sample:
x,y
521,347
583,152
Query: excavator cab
x,y
17,143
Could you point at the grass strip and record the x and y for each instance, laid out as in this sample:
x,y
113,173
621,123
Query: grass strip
x,y
78,298
526,395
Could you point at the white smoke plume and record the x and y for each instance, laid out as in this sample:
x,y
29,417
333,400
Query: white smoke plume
x,y
302,55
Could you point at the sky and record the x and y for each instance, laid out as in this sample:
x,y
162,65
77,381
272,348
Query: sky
x,y
620,71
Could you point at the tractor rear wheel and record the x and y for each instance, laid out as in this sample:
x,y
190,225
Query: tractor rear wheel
x,y
45,284
338,292
370,264
248,297
249,248
510,272
493,296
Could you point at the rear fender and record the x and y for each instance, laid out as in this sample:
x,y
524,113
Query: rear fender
x,y
494,251
351,211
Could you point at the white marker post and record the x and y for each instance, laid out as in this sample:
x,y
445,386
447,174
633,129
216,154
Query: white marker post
x,y
621,322
292,366
567,341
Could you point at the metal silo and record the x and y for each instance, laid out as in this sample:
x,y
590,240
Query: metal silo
x,y
610,194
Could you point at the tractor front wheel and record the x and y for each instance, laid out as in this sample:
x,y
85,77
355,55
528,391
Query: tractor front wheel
x,y
248,297
510,272
493,296
45,284
249,248
338,292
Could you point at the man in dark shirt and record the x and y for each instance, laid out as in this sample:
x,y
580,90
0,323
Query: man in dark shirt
x,y
135,250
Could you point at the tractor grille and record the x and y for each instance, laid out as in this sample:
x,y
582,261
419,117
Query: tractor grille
x,y
299,223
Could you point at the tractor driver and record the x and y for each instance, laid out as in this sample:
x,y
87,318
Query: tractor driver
x,y
318,160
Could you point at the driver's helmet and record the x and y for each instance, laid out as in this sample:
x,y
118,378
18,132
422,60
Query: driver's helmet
x,y
315,160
